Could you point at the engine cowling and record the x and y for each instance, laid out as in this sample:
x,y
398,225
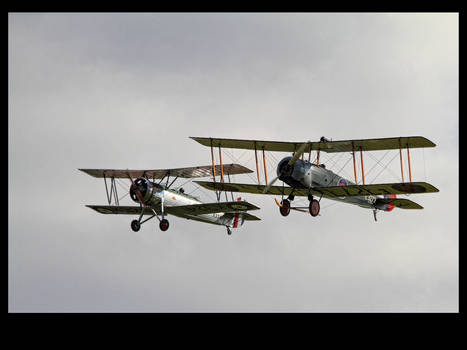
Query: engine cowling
x,y
145,189
293,175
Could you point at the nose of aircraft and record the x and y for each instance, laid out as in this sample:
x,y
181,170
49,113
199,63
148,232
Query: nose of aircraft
x,y
138,190
283,168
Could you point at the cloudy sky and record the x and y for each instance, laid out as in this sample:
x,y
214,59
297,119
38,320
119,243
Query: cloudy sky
x,y
127,90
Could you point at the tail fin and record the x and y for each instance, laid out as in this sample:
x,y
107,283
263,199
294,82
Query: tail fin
x,y
235,222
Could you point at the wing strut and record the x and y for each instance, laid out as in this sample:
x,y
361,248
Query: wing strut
x,y
408,158
354,165
213,165
400,156
257,168
361,160
222,171
408,161
265,170
214,169
113,189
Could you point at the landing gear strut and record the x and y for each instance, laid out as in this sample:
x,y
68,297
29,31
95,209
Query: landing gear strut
x,y
136,224
374,213
229,231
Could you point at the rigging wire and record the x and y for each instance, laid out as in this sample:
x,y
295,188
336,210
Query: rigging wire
x,y
384,168
378,162
236,160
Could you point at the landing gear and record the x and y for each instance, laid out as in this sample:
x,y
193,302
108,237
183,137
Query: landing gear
x,y
164,225
314,207
374,213
135,225
285,208
229,231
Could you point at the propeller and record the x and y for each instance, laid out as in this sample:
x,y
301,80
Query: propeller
x,y
137,191
296,156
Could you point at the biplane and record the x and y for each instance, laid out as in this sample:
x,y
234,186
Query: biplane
x,y
159,200
312,179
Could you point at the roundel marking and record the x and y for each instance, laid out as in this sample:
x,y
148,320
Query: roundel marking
x,y
409,188
342,182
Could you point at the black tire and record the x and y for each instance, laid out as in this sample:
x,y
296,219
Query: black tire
x,y
314,208
135,225
285,209
164,225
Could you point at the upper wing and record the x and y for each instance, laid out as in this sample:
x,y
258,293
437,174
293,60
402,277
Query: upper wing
x,y
197,171
375,144
210,208
330,192
325,146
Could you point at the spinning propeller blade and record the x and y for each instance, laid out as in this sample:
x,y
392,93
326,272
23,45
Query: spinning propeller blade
x,y
298,153
137,191
266,189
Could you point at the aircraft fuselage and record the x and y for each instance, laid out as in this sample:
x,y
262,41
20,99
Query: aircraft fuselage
x,y
158,197
303,175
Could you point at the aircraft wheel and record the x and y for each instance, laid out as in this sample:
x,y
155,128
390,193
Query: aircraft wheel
x,y
135,225
164,225
314,207
285,209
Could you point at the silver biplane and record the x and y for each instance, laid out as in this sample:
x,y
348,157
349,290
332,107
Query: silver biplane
x,y
159,200
314,181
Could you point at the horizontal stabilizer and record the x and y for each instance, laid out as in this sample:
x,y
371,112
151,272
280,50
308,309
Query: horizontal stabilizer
x,y
246,216
249,217
191,172
211,208
399,203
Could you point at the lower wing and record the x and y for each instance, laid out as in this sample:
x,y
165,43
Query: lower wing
x,y
330,192
193,209
122,209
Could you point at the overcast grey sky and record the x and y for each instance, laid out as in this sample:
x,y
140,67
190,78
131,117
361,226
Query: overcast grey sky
x,y
127,90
